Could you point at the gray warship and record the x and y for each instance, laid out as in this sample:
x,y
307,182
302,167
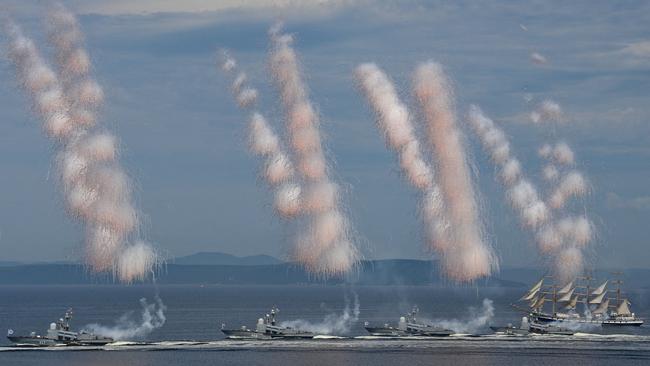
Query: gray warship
x,y
527,327
266,328
408,326
59,334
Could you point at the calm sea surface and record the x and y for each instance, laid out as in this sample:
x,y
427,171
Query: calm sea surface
x,y
191,336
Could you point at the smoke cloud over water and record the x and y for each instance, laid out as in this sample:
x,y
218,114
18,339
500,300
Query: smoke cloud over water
x,y
128,328
97,190
476,320
324,245
469,256
332,324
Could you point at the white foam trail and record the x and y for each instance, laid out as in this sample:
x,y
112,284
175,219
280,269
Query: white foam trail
x,y
332,324
393,120
128,328
278,169
473,323
470,256
324,247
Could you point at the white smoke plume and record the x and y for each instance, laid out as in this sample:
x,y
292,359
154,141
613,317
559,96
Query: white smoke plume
x,y
278,169
97,191
538,59
469,256
128,328
332,324
393,120
547,112
572,184
473,323
324,246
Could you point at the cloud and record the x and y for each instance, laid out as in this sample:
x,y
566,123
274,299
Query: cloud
x,y
637,49
129,7
613,200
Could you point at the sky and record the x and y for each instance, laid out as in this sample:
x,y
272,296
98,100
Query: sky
x,y
183,138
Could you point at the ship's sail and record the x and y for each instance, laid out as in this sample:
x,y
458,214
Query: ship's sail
x,y
566,288
572,304
539,303
602,308
598,299
533,301
567,296
599,290
623,308
533,291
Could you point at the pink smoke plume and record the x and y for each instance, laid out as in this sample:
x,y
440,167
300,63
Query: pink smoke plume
x,y
97,191
325,246
562,239
394,122
278,169
469,256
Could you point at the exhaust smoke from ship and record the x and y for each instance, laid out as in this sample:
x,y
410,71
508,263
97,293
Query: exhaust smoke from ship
x,y
333,323
126,327
97,191
474,322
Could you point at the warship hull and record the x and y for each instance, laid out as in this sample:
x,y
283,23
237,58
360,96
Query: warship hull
x,y
546,318
34,341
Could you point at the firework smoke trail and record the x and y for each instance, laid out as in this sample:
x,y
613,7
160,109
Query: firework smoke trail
x,y
469,257
278,170
394,122
325,247
97,191
561,239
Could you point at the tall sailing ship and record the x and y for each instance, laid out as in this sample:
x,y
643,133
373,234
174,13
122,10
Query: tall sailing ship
x,y
600,305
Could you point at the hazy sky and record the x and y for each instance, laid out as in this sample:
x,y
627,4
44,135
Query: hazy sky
x,y
183,138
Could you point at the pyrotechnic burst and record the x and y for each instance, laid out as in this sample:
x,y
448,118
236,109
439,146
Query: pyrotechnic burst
x,y
393,120
278,169
562,238
324,246
472,256
96,188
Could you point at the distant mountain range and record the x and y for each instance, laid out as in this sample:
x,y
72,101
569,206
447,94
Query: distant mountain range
x,y
218,258
221,268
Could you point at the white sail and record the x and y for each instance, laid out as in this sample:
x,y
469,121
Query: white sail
x,y
602,308
539,303
598,299
566,288
533,290
530,295
599,290
572,304
567,296
623,309
533,301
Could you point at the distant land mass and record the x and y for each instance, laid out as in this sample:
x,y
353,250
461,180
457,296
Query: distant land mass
x,y
213,268
218,258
